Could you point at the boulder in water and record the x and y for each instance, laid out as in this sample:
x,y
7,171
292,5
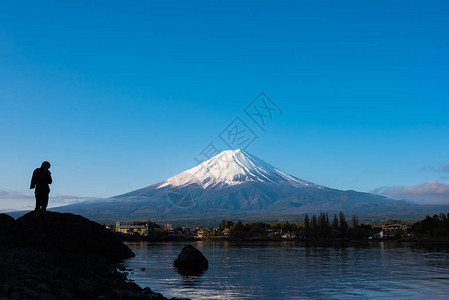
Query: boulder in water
x,y
191,261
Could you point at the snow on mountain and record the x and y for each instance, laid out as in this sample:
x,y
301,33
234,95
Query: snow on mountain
x,y
232,167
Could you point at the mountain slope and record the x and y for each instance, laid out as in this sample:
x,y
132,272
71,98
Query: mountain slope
x,y
235,184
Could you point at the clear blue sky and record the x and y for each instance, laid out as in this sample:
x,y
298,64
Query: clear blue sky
x,y
118,95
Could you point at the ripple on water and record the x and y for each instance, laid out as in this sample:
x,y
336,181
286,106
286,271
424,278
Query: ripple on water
x,y
289,271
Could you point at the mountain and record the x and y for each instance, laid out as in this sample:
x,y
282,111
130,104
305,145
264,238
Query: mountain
x,y
236,185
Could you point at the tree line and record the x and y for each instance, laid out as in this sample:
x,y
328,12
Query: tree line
x,y
321,227
316,226
437,225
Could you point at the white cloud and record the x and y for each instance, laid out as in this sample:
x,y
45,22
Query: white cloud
x,y
431,192
13,200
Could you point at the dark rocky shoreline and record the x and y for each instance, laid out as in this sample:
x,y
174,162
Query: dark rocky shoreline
x,y
47,255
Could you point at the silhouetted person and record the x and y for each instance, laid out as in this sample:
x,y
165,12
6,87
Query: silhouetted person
x,y
40,181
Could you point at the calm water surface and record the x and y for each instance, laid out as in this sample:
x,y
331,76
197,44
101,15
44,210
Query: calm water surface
x,y
294,271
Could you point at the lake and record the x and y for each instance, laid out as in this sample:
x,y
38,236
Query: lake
x,y
288,270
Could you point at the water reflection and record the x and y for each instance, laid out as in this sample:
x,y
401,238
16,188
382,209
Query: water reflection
x,y
190,280
288,270
188,274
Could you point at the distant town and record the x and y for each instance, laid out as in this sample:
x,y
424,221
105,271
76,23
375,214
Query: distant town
x,y
311,228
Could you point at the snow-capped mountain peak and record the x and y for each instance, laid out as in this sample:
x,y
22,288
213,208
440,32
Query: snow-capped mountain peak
x,y
232,167
234,185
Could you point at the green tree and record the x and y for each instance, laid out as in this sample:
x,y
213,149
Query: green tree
x,y
256,229
238,226
438,225
226,224
355,225
394,221
335,225
314,226
398,233
306,226
323,225
288,226
343,224
238,231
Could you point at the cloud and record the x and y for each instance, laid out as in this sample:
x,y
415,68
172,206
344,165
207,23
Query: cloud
x,y
431,192
435,169
13,200
13,194
428,168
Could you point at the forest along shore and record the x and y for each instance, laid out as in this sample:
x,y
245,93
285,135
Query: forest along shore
x,y
48,255
317,228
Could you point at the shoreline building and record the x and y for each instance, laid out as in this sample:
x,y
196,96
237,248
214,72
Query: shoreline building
x,y
131,229
390,231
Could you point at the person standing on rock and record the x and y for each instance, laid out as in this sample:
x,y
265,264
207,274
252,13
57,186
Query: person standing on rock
x,y
40,181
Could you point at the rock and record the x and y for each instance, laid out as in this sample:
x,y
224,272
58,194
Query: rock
x,y
147,291
30,293
5,222
191,260
4,289
6,219
66,233
53,256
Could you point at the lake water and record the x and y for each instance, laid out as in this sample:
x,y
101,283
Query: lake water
x,y
288,270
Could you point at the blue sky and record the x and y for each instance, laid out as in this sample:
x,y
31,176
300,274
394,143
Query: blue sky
x,y
118,95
